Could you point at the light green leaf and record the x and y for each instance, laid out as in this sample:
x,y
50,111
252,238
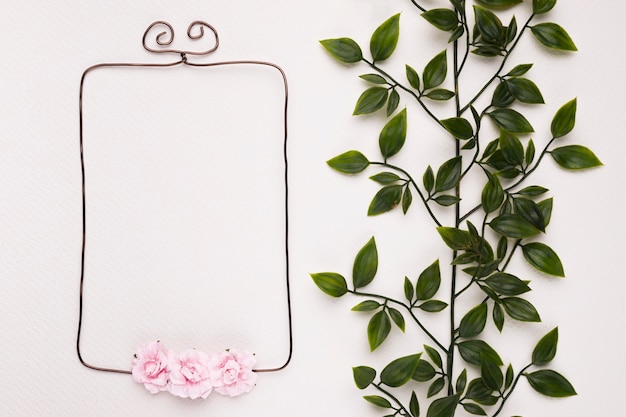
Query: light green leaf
x,y
365,265
575,157
413,77
399,371
367,305
393,135
351,162
378,329
378,401
385,39
331,283
385,178
343,49
363,376
542,257
385,200
372,99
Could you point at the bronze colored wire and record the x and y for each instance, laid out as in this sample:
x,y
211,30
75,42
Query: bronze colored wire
x,y
169,34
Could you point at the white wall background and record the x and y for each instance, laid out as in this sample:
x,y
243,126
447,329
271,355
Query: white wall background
x,y
46,46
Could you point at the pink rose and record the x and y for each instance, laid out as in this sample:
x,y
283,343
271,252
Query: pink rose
x,y
189,375
150,367
231,372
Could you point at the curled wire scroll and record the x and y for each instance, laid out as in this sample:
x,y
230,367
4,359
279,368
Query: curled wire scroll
x,y
166,37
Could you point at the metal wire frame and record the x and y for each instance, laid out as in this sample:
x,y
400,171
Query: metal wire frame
x,y
161,42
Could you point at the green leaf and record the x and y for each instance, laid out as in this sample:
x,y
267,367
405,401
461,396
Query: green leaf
x,y
372,99
543,258
471,350
433,306
553,36
474,409
498,4
477,390
434,356
378,401
393,135
440,94
490,373
386,199
458,127
429,179
456,239
502,97
524,90
513,225
492,195
448,175
530,152
498,317
407,199
444,19
575,157
520,309
399,371
511,147
564,120
543,6
414,405
397,318
365,265
385,39
392,104
330,283
533,191
385,178
546,209
550,383
510,375
507,284
510,120
413,77
351,162
436,387
519,70
474,321
435,71
428,282
489,25
461,382
443,407
343,49
530,211
378,329
545,350
447,200
373,78
409,290
424,372
363,376
367,305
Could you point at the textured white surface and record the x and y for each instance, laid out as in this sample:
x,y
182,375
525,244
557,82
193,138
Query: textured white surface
x,y
47,45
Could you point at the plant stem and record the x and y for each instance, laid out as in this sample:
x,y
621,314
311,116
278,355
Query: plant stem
x,y
506,397
387,393
418,6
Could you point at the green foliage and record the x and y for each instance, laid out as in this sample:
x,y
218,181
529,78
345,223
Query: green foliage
x,y
510,219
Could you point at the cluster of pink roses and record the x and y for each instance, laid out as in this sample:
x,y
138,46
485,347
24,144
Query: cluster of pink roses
x,y
192,373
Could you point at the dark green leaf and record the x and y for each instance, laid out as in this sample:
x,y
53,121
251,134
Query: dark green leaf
x,y
492,194
435,71
365,265
436,387
385,178
545,350
413,77
542,257
448,175
363,376
550,383
458,127
414,405
373,78
429,179
503,244
371,100
447,200
474,409
488,50
424,372
533,191
543,6
502,97
392,104
407,199
511,31
471,350
507,284
530,211
519,70
456,34
498,317
330,283
546,210
385,38
456,239
351,162
564,120
444,19
513,225
498,4
393,135
491,374
378,401
491,148
575,157
530,152
428,282
386,199
524,90
511,147
477,390
443,407
470,144
553,36
343,49
489,25
397,318
433,306
474,321
510,375
378,329
520,309
433,355
409,290
399,371
511,120
461,382
367,305
440,94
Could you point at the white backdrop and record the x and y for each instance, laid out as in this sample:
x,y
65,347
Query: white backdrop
x,y
45,48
